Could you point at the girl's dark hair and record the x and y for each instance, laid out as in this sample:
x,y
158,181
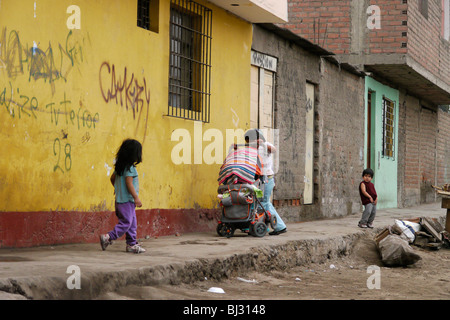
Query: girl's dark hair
x,y
129,154
369,172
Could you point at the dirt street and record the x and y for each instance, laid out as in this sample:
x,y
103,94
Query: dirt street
x,y
342,278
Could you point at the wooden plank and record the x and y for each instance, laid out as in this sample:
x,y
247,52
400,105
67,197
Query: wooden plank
x,y
446,203
308,192
383,234
421,241
431,227
447,221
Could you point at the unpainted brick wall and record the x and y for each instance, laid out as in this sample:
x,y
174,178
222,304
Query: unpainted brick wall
x,y
426,44
443,148
423,150
329,24
326,23
391,37
404,29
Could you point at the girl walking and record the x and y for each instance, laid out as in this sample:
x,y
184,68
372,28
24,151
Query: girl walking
x,y
126,188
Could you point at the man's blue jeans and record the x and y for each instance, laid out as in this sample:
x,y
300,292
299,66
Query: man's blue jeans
x,y
268,206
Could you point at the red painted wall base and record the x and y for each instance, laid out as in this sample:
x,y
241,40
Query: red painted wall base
x,y
29,229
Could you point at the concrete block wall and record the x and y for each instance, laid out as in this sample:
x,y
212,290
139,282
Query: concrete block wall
x,y
339,131
341,141
412,35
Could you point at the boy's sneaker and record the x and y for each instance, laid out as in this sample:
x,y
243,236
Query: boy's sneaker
x,y
135,249
105,241
364,226
370,225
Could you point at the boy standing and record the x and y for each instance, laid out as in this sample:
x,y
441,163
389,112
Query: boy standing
x,y
369,199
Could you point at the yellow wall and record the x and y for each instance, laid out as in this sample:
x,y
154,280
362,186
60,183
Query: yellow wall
x,y
59,134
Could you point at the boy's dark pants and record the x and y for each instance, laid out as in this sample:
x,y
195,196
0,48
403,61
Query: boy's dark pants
x,y
370,211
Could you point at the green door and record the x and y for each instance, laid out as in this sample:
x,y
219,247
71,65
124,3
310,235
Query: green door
x,y
381,143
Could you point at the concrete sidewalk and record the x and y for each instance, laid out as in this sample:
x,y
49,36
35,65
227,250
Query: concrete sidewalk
x,y
42,272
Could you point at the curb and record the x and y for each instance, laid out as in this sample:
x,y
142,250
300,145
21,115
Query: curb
x,y
264,258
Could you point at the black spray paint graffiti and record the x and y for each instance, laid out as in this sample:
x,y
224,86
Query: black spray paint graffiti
x,y
126,90
50,65
67,156
19,105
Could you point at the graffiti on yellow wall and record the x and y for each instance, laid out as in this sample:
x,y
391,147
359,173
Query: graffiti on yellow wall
x,y
52,64
24,62
71,90
125,89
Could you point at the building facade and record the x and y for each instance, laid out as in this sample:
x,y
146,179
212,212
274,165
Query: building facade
x,y
317,105
404,48
76,79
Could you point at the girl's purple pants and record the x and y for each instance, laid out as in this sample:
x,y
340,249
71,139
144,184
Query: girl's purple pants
x,y
126,213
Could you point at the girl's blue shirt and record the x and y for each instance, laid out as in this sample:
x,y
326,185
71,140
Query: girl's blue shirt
x,y
120,187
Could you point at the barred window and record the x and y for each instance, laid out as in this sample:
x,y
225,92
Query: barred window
x,y
190,60
388,128
148,15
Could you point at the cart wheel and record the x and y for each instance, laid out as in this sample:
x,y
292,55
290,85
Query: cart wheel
x,y
229,232
259,229
219,229
225,231
273,222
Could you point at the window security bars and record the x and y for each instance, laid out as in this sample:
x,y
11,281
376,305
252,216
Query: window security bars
x,y
388,128
143,15
190,61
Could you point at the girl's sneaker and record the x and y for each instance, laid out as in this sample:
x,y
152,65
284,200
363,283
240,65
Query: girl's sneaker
x,y
105,241
135,249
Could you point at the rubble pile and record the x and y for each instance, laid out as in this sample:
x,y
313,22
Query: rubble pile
x,y
394,242
444,190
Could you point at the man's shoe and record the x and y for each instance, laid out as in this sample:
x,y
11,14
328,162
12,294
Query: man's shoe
x,y
275,233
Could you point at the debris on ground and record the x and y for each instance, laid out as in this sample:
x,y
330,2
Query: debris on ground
x,y
394,242
247,281
216,290
444,190
396,251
